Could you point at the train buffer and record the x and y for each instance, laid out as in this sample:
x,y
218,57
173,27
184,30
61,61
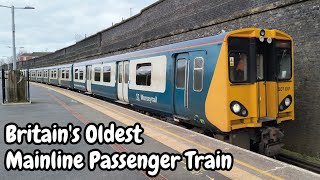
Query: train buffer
x,y
56,105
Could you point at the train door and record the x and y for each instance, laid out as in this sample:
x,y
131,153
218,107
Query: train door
x,y
266,90
89,78
59,75
261,81
181,88
196,95
122,81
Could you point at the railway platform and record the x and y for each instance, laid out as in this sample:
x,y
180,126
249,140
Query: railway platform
x,y
56,105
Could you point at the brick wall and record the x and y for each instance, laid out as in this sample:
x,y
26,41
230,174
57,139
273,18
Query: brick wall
x,y
171,21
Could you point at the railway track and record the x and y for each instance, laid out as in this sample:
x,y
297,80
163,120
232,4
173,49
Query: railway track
x,y
298,162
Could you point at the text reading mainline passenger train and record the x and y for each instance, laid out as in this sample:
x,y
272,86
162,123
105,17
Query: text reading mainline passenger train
x,y
238,85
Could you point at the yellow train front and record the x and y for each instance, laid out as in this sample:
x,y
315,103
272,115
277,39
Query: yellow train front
x,y
252,89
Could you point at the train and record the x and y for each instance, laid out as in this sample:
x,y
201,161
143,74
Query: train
x,y
237,85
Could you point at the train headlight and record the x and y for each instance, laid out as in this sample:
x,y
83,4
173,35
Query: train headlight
x,y
269,40
287,102
236,108
244,112
261,38
281,107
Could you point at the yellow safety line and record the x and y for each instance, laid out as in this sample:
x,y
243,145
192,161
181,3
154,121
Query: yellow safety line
x,y
173,134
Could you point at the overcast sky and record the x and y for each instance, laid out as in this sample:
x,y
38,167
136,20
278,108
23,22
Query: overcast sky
x,y
55,24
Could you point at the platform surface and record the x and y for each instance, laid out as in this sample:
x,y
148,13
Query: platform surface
x,y
55,105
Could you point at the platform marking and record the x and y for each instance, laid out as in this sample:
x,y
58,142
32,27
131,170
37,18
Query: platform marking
x,y
116,147
93,104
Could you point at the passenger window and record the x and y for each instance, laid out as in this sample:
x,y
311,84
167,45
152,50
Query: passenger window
x,y
67,74
143,74
198,74
238,67
76,73
181,73
106,73
97,72
63,74
81,75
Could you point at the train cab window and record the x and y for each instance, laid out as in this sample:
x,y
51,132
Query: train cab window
x,y
67,74
198,74
143,74
238,67
181,73
284,60
97,73
106,73
76,73
81,74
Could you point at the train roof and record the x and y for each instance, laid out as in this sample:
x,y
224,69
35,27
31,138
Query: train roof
x,y
170,47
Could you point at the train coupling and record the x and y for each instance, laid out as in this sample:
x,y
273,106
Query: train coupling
x,y
271,141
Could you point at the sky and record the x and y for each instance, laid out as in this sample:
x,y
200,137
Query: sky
x,y
55,24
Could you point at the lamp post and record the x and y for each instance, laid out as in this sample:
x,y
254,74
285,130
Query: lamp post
x,y
13,31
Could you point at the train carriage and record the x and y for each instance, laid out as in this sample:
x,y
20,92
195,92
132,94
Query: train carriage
x,y
237,85
82,75
103,80
65,76
32,74
53,75
39,75
45,75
